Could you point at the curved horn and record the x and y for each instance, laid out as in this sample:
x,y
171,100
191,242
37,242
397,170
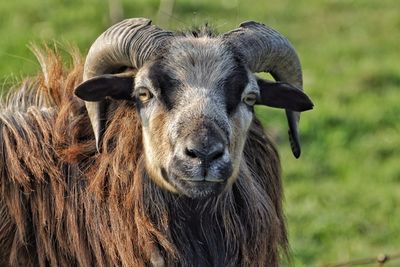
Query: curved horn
x,y
265,50
129,43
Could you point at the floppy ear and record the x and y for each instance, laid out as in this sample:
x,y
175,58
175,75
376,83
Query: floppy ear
x,y
282,95
118,87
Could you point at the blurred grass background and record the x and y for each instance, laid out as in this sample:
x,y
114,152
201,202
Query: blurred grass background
x,y
343,194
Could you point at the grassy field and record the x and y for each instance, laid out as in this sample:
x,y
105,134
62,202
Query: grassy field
x,y
343,194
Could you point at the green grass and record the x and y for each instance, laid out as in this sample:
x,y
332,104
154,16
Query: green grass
x,y
343,194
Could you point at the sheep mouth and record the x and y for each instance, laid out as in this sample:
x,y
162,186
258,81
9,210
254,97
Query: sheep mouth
x,y
203,180
195,179
196,187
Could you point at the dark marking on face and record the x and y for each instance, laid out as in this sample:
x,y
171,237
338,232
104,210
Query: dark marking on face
x,y
163,82
233,87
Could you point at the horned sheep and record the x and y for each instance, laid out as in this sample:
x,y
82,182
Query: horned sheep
x,y
150,154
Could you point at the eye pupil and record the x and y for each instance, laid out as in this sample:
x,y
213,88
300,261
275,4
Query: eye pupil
x,y
144,94
250,99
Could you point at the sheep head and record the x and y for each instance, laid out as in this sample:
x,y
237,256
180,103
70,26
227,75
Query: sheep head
x,y
195,96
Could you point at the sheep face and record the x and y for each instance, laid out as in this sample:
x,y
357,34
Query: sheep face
x,y
195,96
195,104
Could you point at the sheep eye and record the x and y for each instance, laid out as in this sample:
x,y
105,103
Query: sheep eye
x,y
144,94
250,99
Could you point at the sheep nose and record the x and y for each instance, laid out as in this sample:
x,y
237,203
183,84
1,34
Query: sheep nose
x,y
203,157
206,154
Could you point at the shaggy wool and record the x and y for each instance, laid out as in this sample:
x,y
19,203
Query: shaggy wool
x,y
64,204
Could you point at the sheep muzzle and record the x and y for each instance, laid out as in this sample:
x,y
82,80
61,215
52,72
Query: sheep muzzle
x,y
201,164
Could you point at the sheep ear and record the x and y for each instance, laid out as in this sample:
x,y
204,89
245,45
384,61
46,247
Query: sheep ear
x,y
283,95
114,86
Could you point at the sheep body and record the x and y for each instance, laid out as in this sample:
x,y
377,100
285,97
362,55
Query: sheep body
x,y
62,204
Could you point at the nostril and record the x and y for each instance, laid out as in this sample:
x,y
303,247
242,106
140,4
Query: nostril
x,y
216,155
191,153
206,155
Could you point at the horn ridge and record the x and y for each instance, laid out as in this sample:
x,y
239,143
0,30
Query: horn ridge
x,y
129,43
